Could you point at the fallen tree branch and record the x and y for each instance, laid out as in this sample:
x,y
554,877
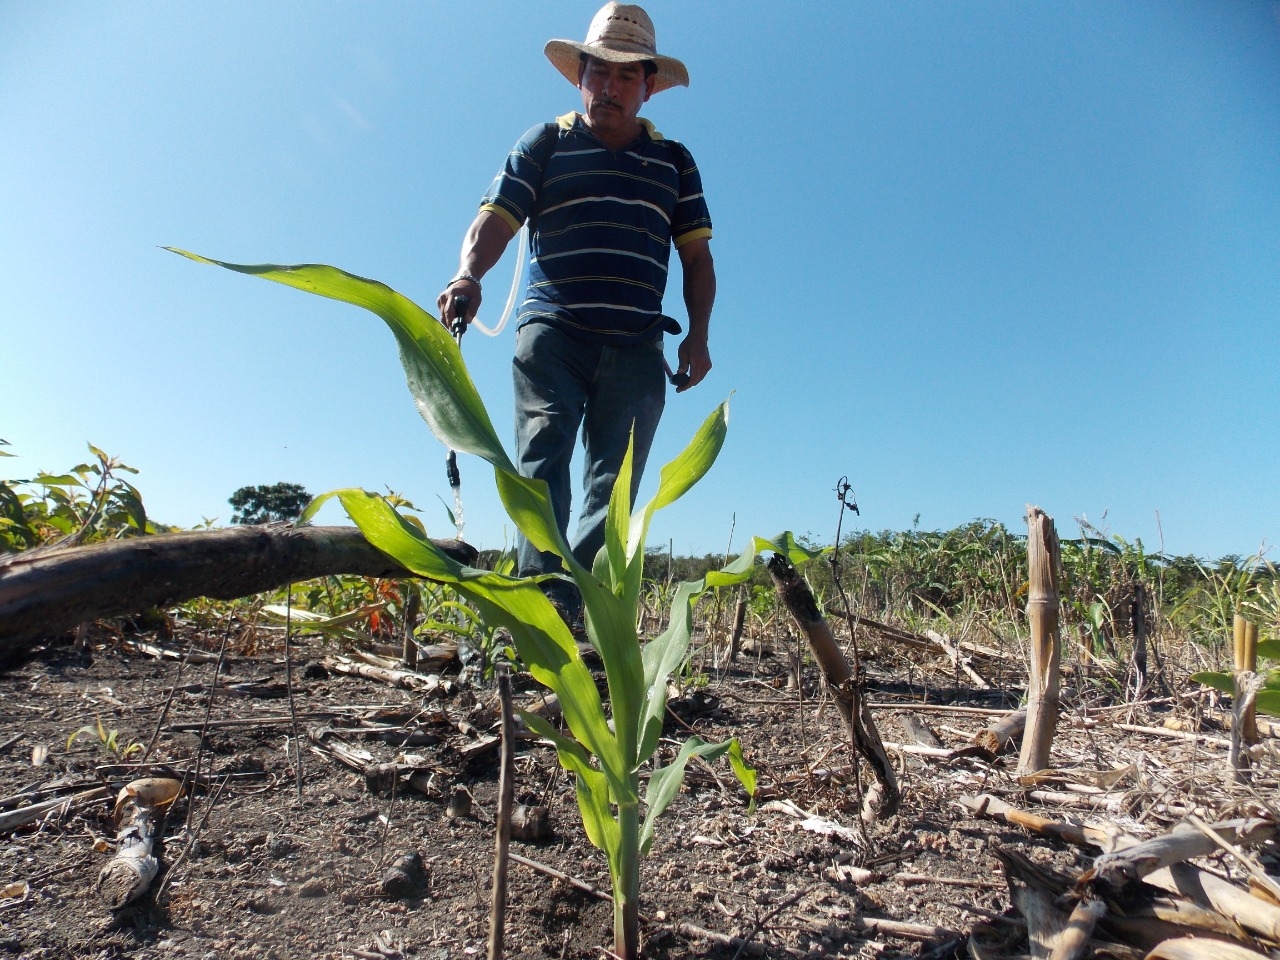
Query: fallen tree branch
x,y
1001,732
47,592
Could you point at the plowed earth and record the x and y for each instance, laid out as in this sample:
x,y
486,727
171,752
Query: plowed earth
x,y
269,857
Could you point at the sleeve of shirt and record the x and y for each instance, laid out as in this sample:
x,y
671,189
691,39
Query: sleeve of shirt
x,y
515,189
692,220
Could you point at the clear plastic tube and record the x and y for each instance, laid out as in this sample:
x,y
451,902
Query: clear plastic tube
x,y
522,251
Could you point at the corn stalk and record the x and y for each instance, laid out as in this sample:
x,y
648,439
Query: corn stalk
x,y
1044,563
605,750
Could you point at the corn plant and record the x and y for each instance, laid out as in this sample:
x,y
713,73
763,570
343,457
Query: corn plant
x,y
108,740
1268,700
604,750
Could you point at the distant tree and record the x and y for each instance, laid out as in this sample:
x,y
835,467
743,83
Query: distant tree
x,y
278,502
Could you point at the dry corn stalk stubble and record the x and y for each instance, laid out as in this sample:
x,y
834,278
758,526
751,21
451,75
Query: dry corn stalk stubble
x,y
883,799
1044,562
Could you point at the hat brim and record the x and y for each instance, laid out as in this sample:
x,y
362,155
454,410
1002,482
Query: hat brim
x,y
564,54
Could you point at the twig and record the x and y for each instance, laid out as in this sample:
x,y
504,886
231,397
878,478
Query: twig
x,y
168,700
502,840
193,837
36,811
580,885
208,710
947,881
293,708
759,924
1172,734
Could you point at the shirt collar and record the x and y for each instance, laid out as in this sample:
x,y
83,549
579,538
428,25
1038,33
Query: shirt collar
x,y
570,120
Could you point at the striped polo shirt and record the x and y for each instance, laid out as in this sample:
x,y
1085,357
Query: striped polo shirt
x,y
601,226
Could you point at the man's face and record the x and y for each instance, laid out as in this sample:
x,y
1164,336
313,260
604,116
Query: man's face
x,y
612,94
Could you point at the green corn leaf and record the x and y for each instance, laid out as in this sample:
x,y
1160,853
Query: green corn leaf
x,y
740,569
1221,682
618,522
1268,702
592,786
1269,649
444,393
438,379
662,656
746,775
664,783
675,479
611,625
540,636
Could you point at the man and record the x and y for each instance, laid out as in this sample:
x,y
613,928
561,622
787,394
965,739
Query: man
x,y
606,197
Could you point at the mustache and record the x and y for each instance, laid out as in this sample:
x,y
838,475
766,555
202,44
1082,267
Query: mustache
x,y
605,102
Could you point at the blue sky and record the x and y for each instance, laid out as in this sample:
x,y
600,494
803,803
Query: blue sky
x,y
970,255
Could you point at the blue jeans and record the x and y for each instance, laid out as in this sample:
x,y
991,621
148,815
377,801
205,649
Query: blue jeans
x,y
561,384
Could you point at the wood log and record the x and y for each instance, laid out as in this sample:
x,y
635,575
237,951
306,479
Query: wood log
x,y
1043,563
883,800
44,593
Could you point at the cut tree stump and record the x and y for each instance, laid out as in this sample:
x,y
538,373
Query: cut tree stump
x,y
46,592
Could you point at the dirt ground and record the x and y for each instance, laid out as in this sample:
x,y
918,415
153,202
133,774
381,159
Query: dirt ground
x,y
266,859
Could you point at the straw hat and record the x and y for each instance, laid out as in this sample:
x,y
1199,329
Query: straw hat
x,y
619,33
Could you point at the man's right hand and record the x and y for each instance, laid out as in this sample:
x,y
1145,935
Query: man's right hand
x,y
444,302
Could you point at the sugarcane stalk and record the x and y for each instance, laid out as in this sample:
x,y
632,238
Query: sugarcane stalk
x,y
1043,563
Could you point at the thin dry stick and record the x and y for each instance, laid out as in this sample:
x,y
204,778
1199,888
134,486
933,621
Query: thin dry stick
x,y
502,840
759,924
193,837
288,680
168,701
204,727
